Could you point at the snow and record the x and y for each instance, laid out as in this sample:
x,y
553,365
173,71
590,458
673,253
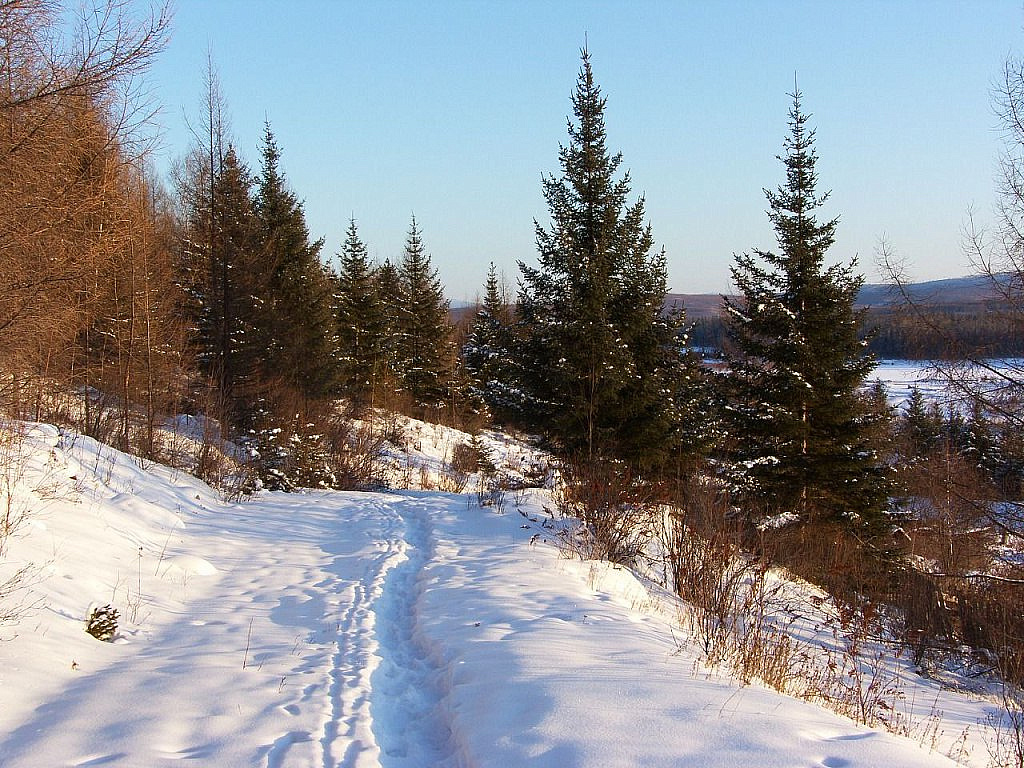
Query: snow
x,y
901,376
401,629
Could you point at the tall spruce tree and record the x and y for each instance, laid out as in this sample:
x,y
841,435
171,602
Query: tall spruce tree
x,y
599,358
391,296
425,333
797,364
361,322
487,353
230,313
300,333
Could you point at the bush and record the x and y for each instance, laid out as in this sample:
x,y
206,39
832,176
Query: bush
x,y
102,623
990,619
618,513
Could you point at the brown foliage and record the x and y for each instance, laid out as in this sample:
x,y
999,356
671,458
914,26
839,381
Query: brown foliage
x,y
86,296
618,512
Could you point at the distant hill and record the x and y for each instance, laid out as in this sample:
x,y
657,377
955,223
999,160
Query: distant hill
x,y
973,289
697,305
968,293
956,291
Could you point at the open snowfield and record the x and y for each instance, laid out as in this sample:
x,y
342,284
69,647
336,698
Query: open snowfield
x,y
403,629
901,376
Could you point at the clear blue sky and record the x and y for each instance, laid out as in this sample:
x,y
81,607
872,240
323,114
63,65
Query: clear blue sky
x,y
454,110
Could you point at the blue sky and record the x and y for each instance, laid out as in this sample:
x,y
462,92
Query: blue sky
x,y
453,111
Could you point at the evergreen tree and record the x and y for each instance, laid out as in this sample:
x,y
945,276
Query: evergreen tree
x,y
980,443
921,425
391,298
361,321
424,338
220,275
300,332
801,429
230,313
487,353
599,359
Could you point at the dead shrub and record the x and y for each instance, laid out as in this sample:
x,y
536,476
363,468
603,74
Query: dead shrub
x,y
617,512
356,451
924,619
949,513
829,555
990,618
708,572
465,460
762,649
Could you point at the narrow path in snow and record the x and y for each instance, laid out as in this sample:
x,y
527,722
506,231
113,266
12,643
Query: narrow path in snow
x,y
349,720
356,573
408,691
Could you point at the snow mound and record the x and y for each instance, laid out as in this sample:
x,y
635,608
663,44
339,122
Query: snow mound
x,y
189,564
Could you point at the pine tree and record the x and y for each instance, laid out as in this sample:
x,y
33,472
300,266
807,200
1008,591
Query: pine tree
x,y
801,428
232,312
425,334
488,352
391,298
300,333
599,359
361,322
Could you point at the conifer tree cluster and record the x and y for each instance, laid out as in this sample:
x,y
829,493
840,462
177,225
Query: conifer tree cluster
x,y
589,357
395,338
260,296
279,335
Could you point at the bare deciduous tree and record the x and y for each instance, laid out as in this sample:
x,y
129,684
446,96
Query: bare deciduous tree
x,y
71,107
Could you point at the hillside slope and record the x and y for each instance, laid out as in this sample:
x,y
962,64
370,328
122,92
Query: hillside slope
x,y
411,628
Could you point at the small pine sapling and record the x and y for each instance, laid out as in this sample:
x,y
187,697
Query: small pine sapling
x,y
102,623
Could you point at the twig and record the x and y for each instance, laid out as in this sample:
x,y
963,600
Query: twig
x,y
248,637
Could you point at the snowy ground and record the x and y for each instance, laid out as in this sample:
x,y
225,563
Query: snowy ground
x,y
399,629
901,376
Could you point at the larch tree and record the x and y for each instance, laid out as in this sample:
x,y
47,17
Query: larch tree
x,y
599,357
799,422
71,100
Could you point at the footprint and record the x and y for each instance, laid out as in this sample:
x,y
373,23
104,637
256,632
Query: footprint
x,y
291,709
101,760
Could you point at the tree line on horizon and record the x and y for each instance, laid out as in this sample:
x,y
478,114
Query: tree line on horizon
x,y
940,331
122,302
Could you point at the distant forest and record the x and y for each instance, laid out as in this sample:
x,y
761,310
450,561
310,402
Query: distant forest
x,y
944,319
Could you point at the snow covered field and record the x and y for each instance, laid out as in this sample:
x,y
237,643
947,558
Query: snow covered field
x,y
410,628
901,376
